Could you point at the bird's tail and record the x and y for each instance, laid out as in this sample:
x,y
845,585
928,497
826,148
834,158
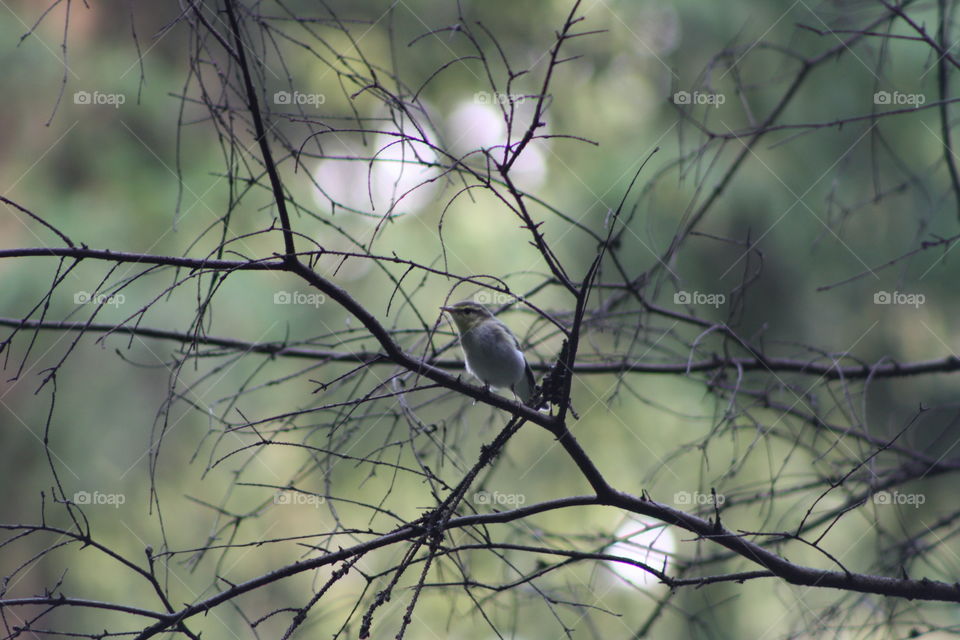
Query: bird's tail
x,y
527,387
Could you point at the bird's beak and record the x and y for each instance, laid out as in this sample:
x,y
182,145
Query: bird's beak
x,y
447,309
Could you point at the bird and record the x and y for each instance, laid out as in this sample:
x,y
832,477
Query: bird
x,y
492,352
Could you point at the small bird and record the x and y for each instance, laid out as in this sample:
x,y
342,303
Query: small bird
x,y
491,350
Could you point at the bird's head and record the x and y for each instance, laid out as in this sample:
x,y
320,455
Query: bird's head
x,y
466,315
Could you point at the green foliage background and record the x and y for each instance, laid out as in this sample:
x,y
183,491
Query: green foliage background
x,y
108,177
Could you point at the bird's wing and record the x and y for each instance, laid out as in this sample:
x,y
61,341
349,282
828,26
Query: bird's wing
x,y
505,329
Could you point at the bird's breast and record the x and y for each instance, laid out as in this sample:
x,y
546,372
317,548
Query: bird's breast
x,y
492,357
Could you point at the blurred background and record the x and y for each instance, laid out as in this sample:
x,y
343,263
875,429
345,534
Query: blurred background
x,y
112,141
